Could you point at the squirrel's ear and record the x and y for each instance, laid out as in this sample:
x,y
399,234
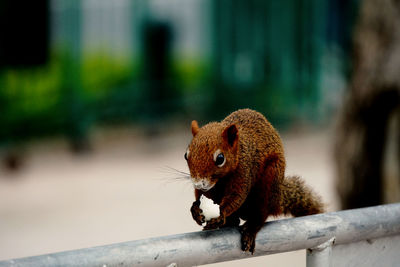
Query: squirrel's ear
x,y
230,135
195,128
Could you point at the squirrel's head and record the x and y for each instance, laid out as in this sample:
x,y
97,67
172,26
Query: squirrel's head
x,y
212,154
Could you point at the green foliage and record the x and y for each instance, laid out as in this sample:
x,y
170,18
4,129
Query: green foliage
x,y
190,72
101,73
31,91
67,95
40,100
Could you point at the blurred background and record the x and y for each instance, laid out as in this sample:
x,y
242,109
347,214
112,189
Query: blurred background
x,y
97,96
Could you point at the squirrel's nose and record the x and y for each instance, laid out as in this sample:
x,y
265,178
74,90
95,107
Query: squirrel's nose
x,y
198,184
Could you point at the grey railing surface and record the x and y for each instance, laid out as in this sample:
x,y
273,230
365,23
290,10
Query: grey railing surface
x,y
331,239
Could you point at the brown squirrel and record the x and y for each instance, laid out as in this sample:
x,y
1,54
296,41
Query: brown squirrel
x,y
239,163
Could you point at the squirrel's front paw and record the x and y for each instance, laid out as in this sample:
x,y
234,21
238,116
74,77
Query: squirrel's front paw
x,y
215,223
197,213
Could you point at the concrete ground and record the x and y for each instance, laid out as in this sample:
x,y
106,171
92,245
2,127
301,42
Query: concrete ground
x,y
123,190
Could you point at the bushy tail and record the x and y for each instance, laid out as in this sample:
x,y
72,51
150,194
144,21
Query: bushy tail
x,y
298,199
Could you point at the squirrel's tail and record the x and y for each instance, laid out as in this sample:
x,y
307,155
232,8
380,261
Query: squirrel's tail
x,y
298,199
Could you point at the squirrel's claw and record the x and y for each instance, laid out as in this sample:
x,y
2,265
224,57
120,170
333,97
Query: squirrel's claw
x,y
248,240
197,213
215,223
248,243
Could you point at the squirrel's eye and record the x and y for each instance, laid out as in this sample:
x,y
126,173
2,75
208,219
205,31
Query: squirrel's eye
x,y
220,160
186,154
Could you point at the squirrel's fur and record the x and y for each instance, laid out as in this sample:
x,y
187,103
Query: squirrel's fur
x,y
250,183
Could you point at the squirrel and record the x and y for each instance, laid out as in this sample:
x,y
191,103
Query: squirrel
x,y
239,163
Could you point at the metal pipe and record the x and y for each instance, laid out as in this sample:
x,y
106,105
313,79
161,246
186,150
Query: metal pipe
x,y
222,245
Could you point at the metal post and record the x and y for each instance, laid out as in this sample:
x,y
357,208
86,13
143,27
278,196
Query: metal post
x,y
320,256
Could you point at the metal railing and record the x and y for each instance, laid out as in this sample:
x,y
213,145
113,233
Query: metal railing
x,y
365,237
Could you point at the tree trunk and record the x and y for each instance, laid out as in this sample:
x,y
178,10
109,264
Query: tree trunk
x,y
374,94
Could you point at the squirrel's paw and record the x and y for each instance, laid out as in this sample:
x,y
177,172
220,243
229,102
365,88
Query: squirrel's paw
x,y
215,223
248,240
197,213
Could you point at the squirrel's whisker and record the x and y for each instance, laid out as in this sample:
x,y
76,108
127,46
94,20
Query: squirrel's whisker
x,y
171,170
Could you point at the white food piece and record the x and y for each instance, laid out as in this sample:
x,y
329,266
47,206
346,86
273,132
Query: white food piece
x,y
210,210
